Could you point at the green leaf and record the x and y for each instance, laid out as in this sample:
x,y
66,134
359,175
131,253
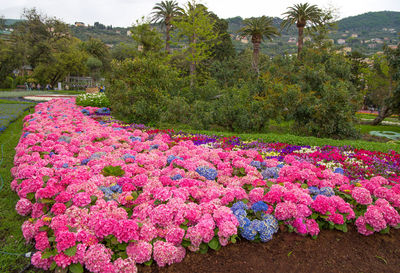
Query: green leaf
x,y
43,228
49,253
186,243
304,186
45,178
203,248
30,196
269,184
70,251
314,215
52,239
369,227
148,263
214,243
53,265
93,199
76,268
385,231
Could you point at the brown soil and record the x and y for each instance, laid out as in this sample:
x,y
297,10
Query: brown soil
x,y
333,251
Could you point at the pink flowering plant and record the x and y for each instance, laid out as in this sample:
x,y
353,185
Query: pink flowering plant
x,y
104,197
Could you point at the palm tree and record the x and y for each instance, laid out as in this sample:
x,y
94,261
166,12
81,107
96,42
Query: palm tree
x,y
163,13
301,15
258,28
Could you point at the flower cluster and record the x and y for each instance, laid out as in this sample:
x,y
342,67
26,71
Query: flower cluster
x,y
104,196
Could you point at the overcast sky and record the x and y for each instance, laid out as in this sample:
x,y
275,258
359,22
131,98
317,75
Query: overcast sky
x,y
125,12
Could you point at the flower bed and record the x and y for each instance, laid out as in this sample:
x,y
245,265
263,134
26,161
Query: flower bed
x,y
10,112
104,197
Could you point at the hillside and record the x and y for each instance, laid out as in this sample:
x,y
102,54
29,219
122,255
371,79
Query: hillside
x,y
366,33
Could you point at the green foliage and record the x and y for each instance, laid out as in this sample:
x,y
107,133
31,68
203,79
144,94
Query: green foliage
x,y
95,100
147,37
177,110
138,88
112,171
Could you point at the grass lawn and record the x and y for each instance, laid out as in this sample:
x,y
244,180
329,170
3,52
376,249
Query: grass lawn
x,y
11,239
23,93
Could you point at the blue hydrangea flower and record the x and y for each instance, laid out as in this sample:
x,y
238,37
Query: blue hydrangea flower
x,y
135,138
243,222
85,112
97,155
170,158
270,173
240,213
249,233
238,205
259,206
313,190
126,156
271,221
85,161
26,134
327,191
256,164
266,234
176,177
103,110
155,146
279,166
66,139
65,165
339,170
208,173
116,188
51,154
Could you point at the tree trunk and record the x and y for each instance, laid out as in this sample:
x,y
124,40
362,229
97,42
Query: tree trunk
x,y
384,113
167,38
300,41
192,66
256,55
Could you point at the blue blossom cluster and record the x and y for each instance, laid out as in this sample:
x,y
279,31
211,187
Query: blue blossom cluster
x,y
326,191
171,158
208,173
111,193
259,165
127,155
133,138
155,146
259,206
251,230
66,139
339,170
103,111
176,177
85,112
272,172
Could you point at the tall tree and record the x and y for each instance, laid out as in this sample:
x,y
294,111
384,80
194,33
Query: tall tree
x,y
302,15
164,13
196,28
258,28
383,83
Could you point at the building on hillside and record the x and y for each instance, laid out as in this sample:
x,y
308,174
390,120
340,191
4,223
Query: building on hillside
x,y
341,41
129,33
292,40
79,24
118,31
354,35
372,45
244,40
392,46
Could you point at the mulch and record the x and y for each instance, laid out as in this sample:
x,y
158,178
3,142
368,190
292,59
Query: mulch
x,y
332,251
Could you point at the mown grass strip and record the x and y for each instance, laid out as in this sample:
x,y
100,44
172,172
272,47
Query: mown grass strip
x,y
11,238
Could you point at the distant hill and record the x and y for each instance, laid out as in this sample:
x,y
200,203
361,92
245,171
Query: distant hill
x,y
366,33
371,21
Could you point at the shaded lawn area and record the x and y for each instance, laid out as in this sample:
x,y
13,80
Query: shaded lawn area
x,y
11,239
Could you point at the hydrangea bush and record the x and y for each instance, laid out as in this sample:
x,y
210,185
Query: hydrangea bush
x,y
106,197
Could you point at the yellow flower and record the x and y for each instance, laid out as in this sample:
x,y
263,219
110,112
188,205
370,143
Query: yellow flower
x,y
47,219
358,185
347,191
129,198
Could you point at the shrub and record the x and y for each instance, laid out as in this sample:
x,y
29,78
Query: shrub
x,y
95,100
138,88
